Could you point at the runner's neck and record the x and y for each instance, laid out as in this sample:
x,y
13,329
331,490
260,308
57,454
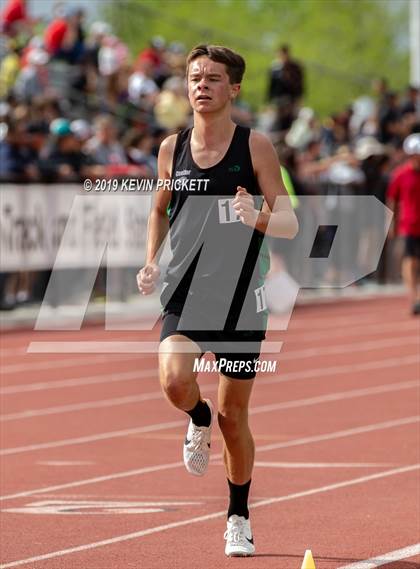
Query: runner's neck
x,y
212,131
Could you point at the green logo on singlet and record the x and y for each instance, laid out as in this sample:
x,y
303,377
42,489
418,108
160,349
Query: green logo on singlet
x,y
235,168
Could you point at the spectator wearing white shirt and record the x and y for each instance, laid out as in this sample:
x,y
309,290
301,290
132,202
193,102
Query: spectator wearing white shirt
x,y
142,90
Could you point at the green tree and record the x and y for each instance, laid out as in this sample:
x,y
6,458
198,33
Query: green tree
x,y
343,44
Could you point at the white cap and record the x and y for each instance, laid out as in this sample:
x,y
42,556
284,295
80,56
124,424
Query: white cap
x,y
306,114
100,29
38,56
343,174
81,129
411,144
368,146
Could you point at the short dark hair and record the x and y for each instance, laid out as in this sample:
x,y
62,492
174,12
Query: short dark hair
x,y
235,63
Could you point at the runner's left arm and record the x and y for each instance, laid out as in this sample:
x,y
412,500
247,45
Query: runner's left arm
x,y
279,219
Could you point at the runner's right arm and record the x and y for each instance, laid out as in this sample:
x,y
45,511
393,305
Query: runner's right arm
x,y
158,225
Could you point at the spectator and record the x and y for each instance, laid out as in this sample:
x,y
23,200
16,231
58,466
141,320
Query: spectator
x,y
112,59
303,129
14,17
172,108
64,37
81,130
388,119
139,147
410,104
363,117
335,131
97,32
155,54
175,59
373,158
142,90
44,109
19,148
61,159
380,89
286,77
104,147
9,69
404,198
33,79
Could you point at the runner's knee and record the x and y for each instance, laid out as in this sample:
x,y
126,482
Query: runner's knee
x,y
232,420
176,385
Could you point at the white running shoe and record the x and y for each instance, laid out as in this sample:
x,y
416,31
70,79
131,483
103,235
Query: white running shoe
x,y
197,446
238,536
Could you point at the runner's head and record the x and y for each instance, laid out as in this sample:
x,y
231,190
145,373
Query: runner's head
x,y
214,76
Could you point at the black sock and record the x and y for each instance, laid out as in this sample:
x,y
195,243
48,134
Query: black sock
x,y
238,499
200,415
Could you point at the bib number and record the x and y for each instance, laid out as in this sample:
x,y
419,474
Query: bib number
x,y
261,299
226,212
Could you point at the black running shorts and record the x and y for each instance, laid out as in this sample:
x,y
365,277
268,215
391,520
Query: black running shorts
x,y
237,364
412,246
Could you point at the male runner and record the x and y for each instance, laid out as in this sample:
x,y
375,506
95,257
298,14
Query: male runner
x,y
403,197
239,169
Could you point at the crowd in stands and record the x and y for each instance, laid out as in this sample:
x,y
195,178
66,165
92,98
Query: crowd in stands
x,y
75,103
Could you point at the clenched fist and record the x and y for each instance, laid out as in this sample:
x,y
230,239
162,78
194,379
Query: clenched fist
x,y
243,204
147,278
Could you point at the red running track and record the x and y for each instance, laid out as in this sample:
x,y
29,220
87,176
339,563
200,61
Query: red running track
x,y
91,471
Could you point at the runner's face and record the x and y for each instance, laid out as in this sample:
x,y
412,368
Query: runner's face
x,y
209,87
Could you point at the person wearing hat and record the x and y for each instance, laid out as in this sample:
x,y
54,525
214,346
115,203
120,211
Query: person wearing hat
x,y
34,78
403,197
61,159
373,160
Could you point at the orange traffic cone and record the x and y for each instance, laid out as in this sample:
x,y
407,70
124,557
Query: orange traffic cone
x,y
308,560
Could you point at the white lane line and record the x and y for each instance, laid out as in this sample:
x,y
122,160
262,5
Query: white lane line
x,y
341,395
72,362
80,381
126,347
386,327
151,374
139,347
330,397
285,444
157,395
347,368
322,464
214,515
112,347
351,347
340,434
289,334
95,480
332,321
65,462
397,555
93,438
103,403
95,507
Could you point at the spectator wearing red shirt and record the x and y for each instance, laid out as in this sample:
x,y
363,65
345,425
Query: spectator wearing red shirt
x,y
54,35
404,198
14,14
64,37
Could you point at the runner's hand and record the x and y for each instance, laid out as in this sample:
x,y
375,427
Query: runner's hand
x,y
147,278
243,204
